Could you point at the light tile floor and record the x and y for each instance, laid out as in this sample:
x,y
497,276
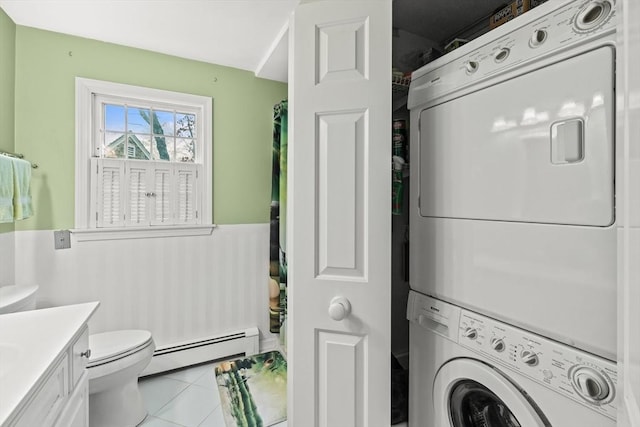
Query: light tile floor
x,y
185,398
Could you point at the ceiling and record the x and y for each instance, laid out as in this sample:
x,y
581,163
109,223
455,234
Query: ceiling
x,y
245,34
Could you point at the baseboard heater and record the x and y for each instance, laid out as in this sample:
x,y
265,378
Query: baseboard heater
x,y
180,355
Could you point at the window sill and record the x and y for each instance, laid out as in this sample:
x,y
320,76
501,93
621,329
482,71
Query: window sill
x,y
93,234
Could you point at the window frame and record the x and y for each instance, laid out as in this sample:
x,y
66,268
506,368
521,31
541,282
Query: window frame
x,y
87,90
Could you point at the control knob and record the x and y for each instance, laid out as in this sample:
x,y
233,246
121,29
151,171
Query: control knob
x,y
593,14
497,344
537,38
470,333
471,66
590,384
501,54
529,357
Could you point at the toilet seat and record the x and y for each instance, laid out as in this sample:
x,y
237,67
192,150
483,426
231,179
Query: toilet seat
x,y
108,347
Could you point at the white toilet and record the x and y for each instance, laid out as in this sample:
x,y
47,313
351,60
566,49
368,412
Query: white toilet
x,y
117,359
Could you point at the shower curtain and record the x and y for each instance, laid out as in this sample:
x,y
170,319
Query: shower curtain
x,y
278,234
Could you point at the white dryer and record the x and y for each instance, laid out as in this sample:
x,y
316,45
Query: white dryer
x,y
468,370
513,174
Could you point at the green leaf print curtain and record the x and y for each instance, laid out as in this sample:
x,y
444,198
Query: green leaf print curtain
x,y
278,238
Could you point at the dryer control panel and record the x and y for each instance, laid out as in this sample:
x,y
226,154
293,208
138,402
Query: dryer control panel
x,y
580,376
542,34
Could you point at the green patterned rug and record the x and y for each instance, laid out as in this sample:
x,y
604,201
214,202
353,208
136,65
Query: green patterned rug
x,y
253,390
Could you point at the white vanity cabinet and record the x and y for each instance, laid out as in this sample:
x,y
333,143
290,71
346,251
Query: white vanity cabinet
x,y
76,411
59,397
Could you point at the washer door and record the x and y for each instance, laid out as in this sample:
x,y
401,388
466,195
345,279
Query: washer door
x,y
469,393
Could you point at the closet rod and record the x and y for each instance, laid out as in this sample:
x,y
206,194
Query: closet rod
x,y
18,156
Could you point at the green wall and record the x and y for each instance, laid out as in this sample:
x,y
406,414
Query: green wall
x,y
7,86
46,65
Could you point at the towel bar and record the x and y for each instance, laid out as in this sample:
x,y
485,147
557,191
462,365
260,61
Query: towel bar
x,y
18,156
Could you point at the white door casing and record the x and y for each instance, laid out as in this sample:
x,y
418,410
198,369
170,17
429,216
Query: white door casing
x,y
628,134
339,218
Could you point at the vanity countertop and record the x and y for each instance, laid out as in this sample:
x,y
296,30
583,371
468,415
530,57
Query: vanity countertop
x,y
30,343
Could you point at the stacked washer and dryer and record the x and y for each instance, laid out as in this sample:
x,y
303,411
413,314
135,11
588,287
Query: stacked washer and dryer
x,y
513,240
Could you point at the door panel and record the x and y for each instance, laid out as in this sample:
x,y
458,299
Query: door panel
x,y
628,78
536,148
339,213
341,149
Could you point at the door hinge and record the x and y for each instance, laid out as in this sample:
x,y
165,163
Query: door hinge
x,y
96,216
418,202
196,214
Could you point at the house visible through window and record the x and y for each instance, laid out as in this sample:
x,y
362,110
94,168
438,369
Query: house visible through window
x,y
149,156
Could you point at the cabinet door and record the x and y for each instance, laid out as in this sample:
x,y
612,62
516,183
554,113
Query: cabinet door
x,y
49,400
79,357
76,412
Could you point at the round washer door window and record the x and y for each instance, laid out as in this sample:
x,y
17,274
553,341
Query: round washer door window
x,y
469,393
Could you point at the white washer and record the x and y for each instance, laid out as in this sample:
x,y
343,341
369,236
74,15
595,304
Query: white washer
x,y
468,370
513,174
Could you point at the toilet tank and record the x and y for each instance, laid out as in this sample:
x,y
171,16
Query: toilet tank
x,y
17,298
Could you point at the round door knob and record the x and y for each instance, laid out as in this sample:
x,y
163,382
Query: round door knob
x,y
529,357
470,333
497,344
86,353
590,384
339,308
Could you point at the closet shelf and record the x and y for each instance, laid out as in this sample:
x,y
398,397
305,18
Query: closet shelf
x,y
400,85
399,91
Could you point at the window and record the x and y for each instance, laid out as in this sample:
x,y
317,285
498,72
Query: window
x,y
143,161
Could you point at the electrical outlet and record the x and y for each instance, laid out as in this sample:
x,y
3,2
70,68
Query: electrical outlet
x,y
62,239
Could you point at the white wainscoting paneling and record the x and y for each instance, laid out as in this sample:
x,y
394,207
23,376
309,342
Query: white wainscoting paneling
x,y
179,288
7,259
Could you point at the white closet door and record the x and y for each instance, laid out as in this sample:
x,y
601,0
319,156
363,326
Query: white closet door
x,y
339,218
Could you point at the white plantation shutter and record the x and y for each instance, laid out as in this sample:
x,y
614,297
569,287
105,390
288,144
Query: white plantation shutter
x,y
187,203
142,193
162,195
109,201
138,177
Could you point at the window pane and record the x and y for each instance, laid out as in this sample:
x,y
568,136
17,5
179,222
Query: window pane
x,y
141,144
114,145
162,147
185,150
138,120
186,125
114,117
164,121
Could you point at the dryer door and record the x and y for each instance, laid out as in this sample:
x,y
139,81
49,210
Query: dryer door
x,y
536,148
469,393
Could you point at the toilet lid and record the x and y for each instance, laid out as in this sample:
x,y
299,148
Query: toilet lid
x,y
109,345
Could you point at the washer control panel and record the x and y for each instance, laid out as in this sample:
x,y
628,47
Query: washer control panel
x,y
585,378
542,32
